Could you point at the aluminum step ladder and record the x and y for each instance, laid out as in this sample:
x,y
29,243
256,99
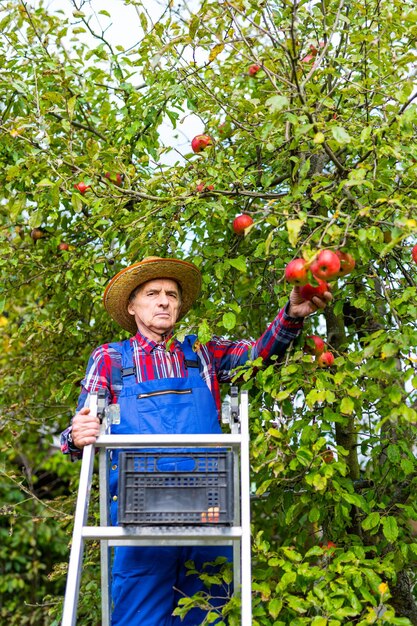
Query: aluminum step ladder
x,y
238,535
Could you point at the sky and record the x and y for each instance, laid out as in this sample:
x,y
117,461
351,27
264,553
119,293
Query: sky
x,y
124,29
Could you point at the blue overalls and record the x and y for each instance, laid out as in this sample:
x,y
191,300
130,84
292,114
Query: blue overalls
x,y
149,581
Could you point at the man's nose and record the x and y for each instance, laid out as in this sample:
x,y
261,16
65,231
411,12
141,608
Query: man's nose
x,y
163,299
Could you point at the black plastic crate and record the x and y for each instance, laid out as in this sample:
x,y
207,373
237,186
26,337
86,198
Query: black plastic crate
x,y
176,488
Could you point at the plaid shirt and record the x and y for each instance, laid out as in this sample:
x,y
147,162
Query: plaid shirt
x,y
219,359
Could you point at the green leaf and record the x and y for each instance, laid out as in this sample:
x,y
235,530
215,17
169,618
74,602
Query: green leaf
x,y
393,453
341,135
277,103
356,500
347,406
239,263
319,138
294,557
229,320
194,24
390,528
204,333
371,521
71,106
314,514
274,607
389,349
294,227
319,482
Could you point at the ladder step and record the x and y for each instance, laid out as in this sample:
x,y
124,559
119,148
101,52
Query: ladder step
x,y
146,533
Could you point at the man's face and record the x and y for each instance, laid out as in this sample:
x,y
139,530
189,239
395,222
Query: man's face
x,y
156,307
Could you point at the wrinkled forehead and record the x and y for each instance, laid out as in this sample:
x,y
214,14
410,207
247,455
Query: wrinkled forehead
x,y
157,283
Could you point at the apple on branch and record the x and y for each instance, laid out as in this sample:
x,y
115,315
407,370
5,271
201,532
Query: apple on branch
x,y
115,178
314,344
328,456
414,253
326,265
63,245
203,187
347,263
37,233
200,142
253,69
296,272
81,187
241,223
326,359
308,291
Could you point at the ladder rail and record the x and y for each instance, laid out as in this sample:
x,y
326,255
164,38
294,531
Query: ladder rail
x,y
69,614
246,574
238,535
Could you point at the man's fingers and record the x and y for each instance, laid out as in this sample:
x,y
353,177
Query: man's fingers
x,y
322,302
85,428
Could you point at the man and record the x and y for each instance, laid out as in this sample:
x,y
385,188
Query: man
x,y
164,386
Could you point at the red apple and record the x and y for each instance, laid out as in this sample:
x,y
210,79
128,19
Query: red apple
x,y
347,263
307,292
326,359
328,456
203,187
63,246
296,272
326,265
241,222
308,58
253,69
116,179
200,142
313,52
314,344
414,253
81,187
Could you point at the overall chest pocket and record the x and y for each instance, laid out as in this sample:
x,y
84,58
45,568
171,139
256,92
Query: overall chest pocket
x,y
166,411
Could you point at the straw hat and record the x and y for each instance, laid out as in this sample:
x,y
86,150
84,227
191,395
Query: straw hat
x,y
116,296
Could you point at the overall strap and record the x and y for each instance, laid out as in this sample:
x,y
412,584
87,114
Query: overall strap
x,y
127,368
191,360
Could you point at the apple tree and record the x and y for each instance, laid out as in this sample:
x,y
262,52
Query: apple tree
x,y
308,115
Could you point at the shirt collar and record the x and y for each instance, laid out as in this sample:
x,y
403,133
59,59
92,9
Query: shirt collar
x,y
149,346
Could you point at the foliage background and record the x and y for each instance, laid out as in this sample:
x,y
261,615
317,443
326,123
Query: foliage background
x,y
319,148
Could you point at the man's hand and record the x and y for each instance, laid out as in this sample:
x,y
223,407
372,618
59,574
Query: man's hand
x,y
85,428
301,308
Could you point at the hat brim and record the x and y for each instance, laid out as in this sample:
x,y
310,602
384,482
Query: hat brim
x,y
116,295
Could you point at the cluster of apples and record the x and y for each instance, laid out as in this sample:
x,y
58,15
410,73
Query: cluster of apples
x,y
325,266
315,345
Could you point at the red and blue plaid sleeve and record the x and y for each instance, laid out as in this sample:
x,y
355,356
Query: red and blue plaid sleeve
x,y
101,373
228,355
